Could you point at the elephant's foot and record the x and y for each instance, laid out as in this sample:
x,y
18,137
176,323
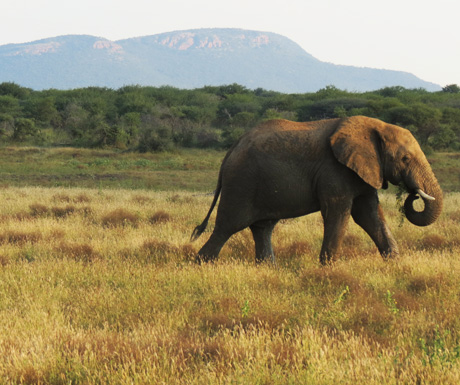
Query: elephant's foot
x,y
204,258
390,254
326,259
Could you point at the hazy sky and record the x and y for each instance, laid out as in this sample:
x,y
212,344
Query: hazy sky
x,y
417,36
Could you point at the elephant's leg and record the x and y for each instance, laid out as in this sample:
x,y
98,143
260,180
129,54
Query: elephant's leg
x,y
368,214
335,216
211,249
262,233
230,219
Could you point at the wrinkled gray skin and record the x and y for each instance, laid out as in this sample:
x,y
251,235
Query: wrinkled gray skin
x,y
285,169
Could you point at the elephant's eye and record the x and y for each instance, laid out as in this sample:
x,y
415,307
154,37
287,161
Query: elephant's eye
x,y
406,159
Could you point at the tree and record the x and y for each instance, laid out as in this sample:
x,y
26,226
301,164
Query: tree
x,y
107,135
6,124
378,106
427,121
391,92
133,101
156,140
330,108
42,110
75,124
9,105
329,92
232,89
444,138
235,104
24,129
130,124
15,90
451,89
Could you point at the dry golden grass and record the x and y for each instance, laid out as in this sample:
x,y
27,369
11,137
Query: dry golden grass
x,y
94,290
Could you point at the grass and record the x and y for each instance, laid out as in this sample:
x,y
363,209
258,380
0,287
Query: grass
x,y
97,283
97,287
70,167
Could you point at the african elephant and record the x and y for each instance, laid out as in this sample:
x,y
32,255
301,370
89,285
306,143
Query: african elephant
x,y
283,169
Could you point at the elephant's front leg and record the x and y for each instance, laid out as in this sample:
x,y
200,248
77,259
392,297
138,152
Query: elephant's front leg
x,y
336,213
368,214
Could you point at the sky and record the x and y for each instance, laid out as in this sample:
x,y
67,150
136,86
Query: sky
x,y
417,36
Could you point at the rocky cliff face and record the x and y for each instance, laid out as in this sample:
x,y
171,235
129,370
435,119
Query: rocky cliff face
x,y
193,40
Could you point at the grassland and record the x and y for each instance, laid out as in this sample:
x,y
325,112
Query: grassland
x,y
69,167
97,286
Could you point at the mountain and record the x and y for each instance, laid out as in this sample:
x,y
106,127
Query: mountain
x,y
187,59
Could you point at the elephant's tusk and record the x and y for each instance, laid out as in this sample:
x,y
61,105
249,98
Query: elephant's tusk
x,y
424,195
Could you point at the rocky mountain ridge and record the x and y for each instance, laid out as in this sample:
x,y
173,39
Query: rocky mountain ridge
x,y
187,59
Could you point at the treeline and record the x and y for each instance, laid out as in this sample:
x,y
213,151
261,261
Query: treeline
x,y
162,118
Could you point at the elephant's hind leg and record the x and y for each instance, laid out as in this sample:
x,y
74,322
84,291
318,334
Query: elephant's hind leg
x,y
211,249
368,214
262,233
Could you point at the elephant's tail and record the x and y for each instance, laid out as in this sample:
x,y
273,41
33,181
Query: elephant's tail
x,y
200,229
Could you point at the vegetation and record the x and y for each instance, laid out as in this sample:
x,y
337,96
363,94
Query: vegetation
x,y
164,118
98,287
97,280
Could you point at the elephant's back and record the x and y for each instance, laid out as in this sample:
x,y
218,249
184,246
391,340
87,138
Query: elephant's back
x,y
281,125
283,139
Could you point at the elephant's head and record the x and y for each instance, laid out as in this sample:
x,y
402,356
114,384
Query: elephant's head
x,y
381,153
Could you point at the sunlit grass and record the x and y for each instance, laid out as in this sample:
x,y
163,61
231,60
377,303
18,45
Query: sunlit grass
x,y
99,286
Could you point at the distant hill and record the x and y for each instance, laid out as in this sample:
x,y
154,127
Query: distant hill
x,y
187,59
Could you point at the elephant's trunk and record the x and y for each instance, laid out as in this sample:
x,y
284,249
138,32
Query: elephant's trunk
x,y
433,200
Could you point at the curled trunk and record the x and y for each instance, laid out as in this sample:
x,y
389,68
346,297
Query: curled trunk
x,y
431,211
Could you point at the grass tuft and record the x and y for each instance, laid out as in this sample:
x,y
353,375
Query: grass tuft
x,y
78,252
160,217
141,199
62,212
433,242
455,215
420,284
158,251
82,198
16,237
294,250
262,320
120,217
38,210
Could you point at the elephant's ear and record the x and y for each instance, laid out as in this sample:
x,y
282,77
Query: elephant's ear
x,y
356,144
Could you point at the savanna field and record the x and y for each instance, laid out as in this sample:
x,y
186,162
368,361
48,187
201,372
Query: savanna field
x,y
98,284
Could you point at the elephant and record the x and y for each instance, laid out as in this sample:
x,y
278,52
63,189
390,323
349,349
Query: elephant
x,y
284,169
